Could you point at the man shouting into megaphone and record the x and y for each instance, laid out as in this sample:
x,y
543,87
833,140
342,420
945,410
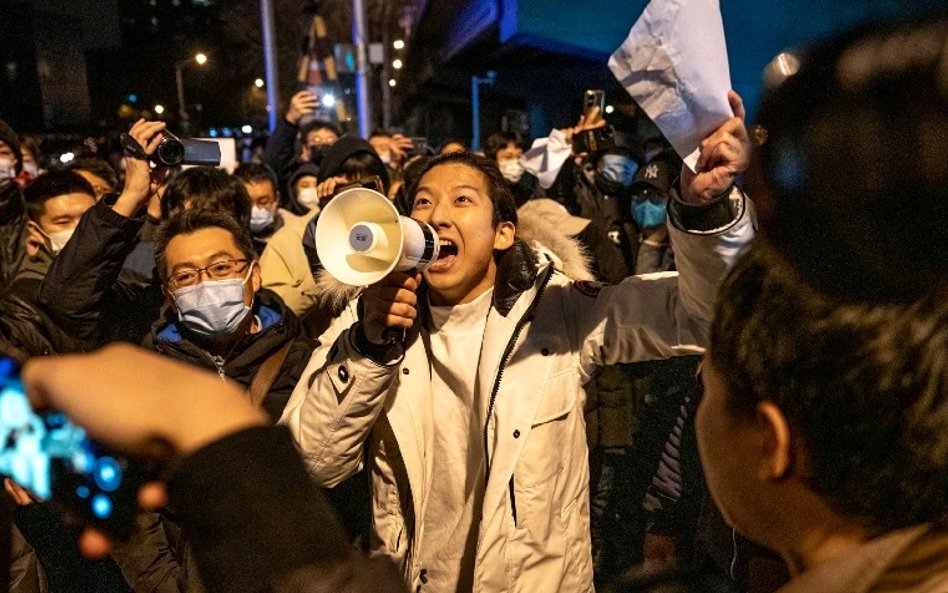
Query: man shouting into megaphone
x,y
474,422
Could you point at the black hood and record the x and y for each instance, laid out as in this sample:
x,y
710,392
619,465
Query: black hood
x,y
301,171
334,156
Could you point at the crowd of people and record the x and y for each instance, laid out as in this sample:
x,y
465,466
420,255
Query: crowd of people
x,y
542,421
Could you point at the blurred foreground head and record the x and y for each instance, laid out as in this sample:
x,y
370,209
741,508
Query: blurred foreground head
x,y
852,173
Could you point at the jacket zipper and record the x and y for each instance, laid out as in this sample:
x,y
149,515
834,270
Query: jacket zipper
x,y
219,362
508,352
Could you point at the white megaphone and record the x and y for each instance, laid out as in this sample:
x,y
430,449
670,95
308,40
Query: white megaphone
x,y
361,238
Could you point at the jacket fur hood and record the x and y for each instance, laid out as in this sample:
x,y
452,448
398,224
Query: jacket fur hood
x,y
547,244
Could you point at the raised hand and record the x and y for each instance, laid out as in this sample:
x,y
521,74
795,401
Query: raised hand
x,y
724,155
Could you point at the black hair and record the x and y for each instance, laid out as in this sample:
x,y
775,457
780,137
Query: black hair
x,y
185,222
444,144
50,185
362,165
499,141
318,124
256,173
501,196
380,132
207,188
853,185
97,167
863,387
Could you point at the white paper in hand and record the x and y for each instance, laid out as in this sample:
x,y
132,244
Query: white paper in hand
x,y
674,64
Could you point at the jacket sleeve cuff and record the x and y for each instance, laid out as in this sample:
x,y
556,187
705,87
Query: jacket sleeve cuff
x,y
710,218
115,220
380,354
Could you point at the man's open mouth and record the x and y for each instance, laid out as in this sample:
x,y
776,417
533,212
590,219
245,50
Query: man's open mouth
x,y
446,247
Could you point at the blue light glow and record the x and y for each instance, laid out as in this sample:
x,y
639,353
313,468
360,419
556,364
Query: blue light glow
x,y
108,474
101,506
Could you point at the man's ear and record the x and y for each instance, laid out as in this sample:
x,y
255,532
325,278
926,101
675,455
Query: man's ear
x,y
776,454
256,282
169,299
34,239
504,235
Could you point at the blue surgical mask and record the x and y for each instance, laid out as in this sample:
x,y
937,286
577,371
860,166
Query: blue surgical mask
x,y
648,214
619,168
213,308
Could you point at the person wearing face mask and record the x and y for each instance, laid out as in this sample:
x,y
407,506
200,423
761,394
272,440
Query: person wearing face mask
x,y
12,209
303,198
87,290
266,216
649,200
54,203
217,317
286,269
505,149
32,157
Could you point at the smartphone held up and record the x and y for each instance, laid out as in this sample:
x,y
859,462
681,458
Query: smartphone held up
x,y
55,460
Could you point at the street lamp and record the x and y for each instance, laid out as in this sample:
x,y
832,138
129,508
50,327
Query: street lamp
x,y
159,109
258,83
200,59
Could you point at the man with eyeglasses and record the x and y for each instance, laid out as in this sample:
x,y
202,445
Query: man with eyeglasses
x,y
218,315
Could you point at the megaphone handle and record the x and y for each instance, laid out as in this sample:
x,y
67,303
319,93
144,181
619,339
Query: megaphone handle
x,y
393,335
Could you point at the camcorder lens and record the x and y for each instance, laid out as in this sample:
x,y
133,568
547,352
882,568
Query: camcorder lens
x,y
170,152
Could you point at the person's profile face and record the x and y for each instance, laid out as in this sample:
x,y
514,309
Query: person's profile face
x,y
725,444
454,199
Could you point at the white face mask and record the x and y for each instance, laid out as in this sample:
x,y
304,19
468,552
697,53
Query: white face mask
x,y
57,241
260,218
308,198
511,169
214,307
31,169
7,169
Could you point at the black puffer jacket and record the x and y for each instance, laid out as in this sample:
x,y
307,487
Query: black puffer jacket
x,y
279,326
12,223
24,323
82,292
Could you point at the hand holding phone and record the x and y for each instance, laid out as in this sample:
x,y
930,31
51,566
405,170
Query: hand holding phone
x,y
53,459
594,98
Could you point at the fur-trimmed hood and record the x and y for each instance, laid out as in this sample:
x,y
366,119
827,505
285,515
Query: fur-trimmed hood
x,y
547,244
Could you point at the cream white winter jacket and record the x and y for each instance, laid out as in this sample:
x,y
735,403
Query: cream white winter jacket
x,y
544,339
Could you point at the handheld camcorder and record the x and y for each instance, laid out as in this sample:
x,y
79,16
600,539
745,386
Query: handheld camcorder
x,y
173,151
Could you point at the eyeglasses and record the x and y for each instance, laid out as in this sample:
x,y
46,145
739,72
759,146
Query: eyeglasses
x,y
219,270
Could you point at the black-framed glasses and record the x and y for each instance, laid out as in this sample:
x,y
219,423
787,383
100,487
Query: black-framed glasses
x,y
219,270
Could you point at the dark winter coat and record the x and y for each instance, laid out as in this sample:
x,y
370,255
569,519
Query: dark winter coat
x,y
279,326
